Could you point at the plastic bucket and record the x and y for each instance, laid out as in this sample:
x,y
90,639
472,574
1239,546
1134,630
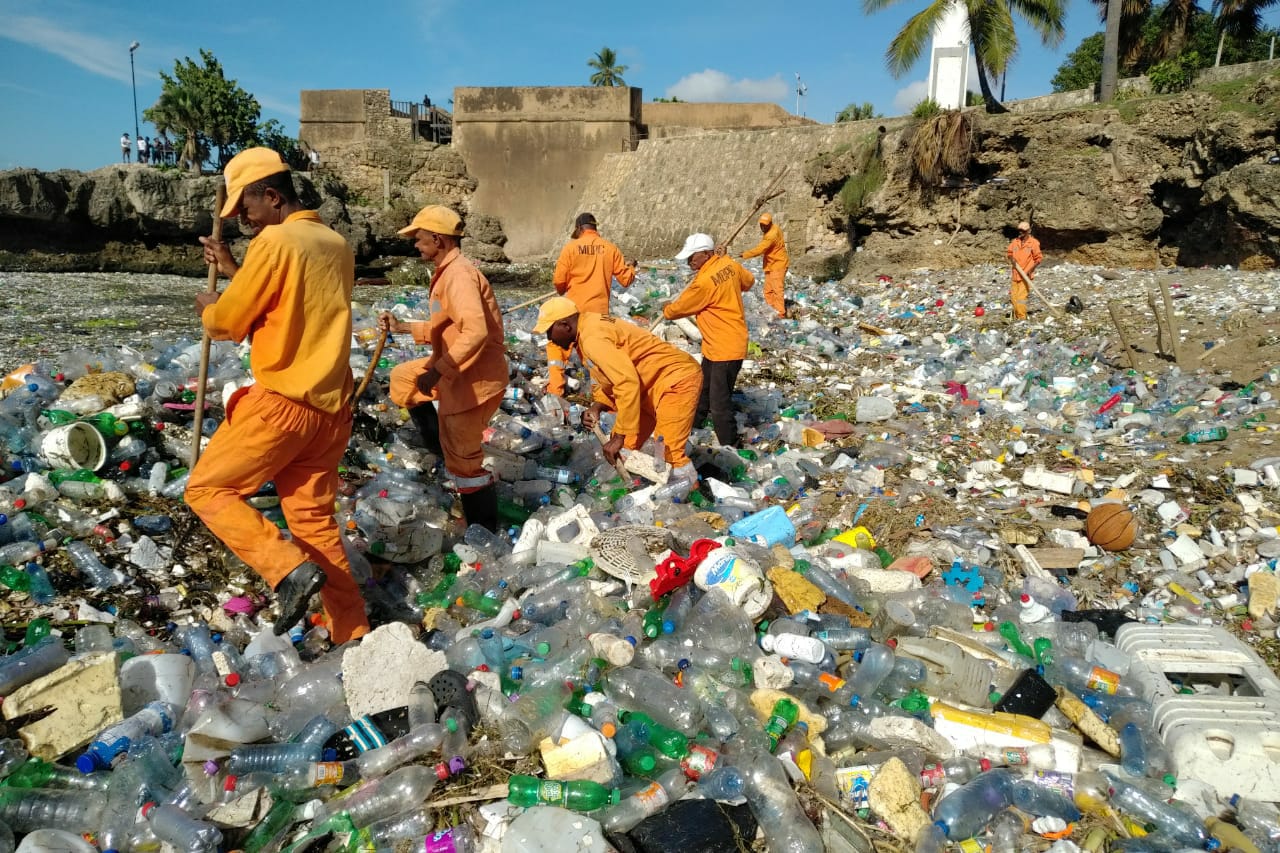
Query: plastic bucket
x,y
74,445
151,678
54,841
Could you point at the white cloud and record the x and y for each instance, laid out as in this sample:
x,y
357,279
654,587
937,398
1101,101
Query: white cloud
x,y
712,85
106,57
910,95
289,108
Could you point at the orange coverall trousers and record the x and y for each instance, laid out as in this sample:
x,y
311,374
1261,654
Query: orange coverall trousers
x,y
460,432
773,287
1019,291
670,415
270,437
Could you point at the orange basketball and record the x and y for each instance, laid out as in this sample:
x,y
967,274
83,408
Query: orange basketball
x,y
1112,527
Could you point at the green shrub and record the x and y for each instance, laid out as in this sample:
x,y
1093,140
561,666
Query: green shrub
x,y
1174,75
928,108
861,184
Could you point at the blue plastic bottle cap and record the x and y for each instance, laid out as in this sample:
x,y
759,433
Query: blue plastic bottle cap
x,y
329,754
88,763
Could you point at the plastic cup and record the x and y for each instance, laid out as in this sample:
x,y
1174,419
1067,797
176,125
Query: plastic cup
x,y
75,445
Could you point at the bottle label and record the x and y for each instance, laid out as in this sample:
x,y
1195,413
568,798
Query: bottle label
x,y
832,682
1054,781
972,845
932,776
1014,756
440,841
365,735
326,773
652,799
699,762
854,784
1103,680
550,791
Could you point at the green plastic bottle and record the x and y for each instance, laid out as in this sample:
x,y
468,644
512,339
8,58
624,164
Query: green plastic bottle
x,y
59,417
107,424
669,742
438,595
783,717
486,604
1203,436
83,475
15,578
580,795
653,619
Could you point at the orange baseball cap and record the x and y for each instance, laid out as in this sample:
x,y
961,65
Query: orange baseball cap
x,y
437,219
554,309
766,219
248,167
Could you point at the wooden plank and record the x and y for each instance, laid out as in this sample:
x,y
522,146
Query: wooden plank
x,y
1058,558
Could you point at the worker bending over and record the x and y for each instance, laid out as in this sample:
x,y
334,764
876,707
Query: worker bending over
x,y
774,248
650,384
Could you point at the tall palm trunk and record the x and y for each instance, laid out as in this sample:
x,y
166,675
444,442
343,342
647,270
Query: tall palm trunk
x,y
988,96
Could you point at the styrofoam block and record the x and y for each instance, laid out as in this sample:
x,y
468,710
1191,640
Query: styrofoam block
x,y
1038,478
573,525
1186,550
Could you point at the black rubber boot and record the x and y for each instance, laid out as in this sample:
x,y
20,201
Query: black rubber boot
x,y
428,423
294,592
481,507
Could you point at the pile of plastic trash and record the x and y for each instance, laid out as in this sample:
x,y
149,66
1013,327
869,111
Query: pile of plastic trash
x,y
880,620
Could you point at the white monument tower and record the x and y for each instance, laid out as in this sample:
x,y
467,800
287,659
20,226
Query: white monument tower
x,y
949,58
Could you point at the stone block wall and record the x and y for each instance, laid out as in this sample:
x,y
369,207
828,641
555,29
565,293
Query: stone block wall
x,y
649,200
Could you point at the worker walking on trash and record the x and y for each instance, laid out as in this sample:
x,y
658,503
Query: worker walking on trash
x,y
774,248
584,272
652,385
292,296
714,300
1023,251
466,373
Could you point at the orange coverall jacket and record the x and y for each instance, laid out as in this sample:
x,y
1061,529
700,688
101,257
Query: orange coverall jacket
x,y
714,300
293,295
466,337
585,269
646,380
1026,253
773,247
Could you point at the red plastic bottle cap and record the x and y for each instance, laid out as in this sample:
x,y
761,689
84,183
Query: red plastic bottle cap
x,y
938,303
1024,598
484,667
979,311
892,642
232,680
60,377
989,626
20,503
515,614
316,619
147,808
159,426
985,764
126,466
229,784
442,771
382,494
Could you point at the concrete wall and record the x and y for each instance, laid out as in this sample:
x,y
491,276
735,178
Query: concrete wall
x,y
1139,87
336,118
662,120
649,200
532,149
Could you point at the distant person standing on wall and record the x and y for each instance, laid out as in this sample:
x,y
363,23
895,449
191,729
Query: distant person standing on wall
x,y
585,271
1023,252
142,150
126,146
313,160
774,248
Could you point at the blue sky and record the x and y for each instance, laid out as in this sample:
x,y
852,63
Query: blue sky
x,y
65,92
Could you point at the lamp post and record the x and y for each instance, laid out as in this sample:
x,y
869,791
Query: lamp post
x,y
134,78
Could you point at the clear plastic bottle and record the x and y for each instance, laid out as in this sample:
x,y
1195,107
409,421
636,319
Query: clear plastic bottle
x,y
400,791
1259,820
536,714
724,783
795,647
13,754
1041,801
965,811
874,667
94,571
418,742
1079,674
29,809
1169,819
782,819
422,705
1006,832
272,757
455,839
37,773
660,793
175,826
154,718
654,695
845,639
1142,750
30,662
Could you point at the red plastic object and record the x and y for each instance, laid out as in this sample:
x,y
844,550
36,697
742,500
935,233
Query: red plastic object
x,y
676,571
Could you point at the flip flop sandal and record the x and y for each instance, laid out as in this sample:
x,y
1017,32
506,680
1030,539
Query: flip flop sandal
x,y
450,691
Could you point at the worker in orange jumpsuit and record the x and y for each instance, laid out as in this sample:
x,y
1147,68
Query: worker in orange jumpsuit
x,y
714,300
774,248
584,271
1023,252
466,373
292,296
650,384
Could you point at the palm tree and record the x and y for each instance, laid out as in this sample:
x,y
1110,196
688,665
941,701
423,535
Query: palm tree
x,y
607,70
990,32
179,112
1240,19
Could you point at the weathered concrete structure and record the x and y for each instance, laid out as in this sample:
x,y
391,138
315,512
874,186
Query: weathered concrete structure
x,y
333,118
532,148
660,119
